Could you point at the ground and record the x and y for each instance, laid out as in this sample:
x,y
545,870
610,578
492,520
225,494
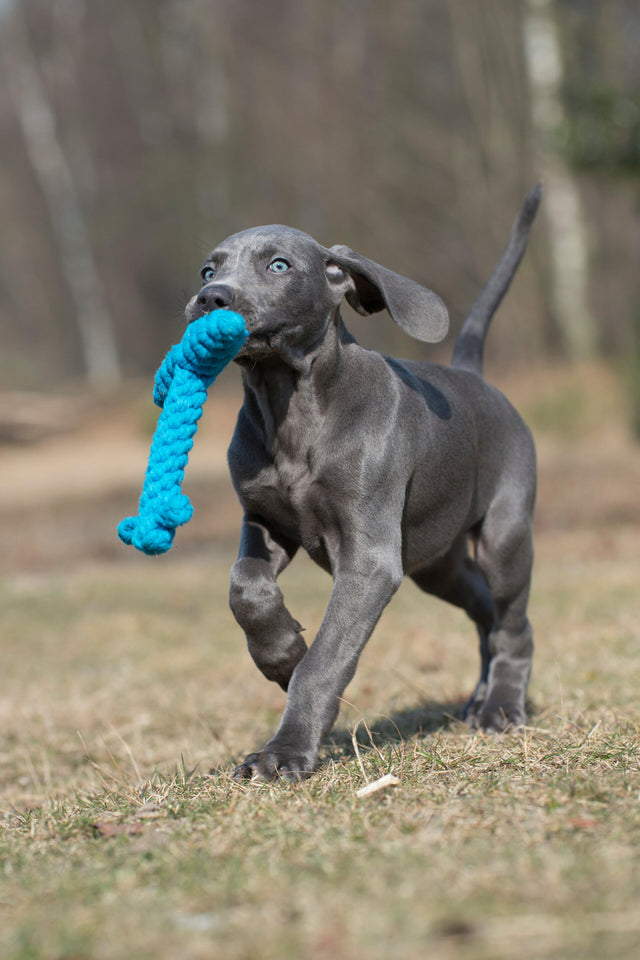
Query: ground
x,y
128,695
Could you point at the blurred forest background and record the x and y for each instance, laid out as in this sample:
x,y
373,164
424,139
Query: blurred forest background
x,y
136,136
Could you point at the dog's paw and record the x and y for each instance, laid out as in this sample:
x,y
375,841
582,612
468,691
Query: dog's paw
x,y
275,763
494,710
496,718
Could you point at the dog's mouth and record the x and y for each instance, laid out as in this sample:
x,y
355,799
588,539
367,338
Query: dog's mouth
x,y
266,338
259,343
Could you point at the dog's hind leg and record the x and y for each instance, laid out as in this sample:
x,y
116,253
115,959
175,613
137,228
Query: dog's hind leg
x,y
273,636
505,556
458,579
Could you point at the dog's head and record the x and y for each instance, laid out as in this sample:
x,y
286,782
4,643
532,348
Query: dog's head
x,y
289,288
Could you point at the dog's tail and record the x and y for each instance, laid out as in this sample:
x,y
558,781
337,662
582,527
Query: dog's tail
x,y
469,347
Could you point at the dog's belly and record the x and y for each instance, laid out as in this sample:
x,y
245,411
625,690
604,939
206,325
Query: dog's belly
x,y
432,525
427,543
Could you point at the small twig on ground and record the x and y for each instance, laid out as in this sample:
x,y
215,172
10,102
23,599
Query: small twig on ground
x,y
388,780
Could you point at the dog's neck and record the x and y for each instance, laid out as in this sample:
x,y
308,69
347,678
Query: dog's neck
x,y
275,384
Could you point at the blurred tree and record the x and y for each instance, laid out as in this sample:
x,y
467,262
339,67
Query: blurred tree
x,y
58,185
563,206
600,141
400,128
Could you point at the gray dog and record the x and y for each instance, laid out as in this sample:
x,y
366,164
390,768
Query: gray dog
x,y
377,467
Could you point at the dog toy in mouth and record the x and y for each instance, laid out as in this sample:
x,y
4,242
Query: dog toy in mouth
x,y
181,384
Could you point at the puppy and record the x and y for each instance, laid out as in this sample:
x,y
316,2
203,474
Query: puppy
x,y
377,467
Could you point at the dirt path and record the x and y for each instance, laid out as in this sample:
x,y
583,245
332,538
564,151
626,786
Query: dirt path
x,y
106,452
63,496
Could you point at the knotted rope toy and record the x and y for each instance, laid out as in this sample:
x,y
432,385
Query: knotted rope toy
x,y
181,385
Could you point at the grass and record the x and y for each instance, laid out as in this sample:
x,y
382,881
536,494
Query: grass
x,y
128,695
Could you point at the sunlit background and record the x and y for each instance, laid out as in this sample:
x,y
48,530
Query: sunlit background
x,y
136,136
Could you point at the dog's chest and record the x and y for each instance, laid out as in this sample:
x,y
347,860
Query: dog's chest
x,y
278,456
291,487
286,489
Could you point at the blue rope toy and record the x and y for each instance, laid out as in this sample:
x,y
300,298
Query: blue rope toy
x,y
181,385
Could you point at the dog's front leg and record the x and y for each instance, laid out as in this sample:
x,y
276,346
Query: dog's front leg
x,y
360,594
273,636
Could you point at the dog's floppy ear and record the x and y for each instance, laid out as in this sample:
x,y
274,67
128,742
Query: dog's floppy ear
x,y
420,312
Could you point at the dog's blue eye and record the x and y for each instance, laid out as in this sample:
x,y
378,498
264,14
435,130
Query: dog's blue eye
x,y
208,274
279,265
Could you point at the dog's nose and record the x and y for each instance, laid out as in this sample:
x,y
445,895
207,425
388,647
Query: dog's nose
x,y
214,296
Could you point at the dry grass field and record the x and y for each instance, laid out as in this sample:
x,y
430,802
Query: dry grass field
x,y
127,696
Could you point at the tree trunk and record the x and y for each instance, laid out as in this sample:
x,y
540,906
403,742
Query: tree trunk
x,y
563,205
53,173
